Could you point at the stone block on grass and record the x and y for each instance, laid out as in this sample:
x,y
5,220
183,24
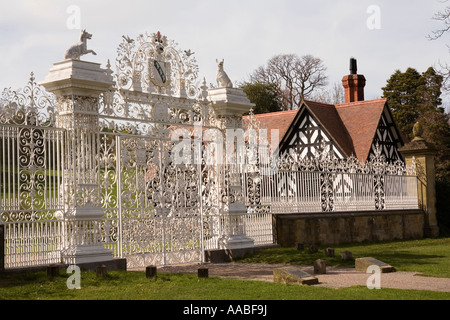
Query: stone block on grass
x,y
293,275
202,272
361,265
346,255
329,252
151,272
52,271
101,271
320,266
313,248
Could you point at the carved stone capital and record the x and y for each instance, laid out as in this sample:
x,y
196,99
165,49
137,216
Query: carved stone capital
x,y
74,77
229,102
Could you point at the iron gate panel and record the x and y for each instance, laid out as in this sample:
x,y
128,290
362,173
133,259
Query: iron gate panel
x,y
155,210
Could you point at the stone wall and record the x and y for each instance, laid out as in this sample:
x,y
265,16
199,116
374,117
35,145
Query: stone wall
x,y
336,228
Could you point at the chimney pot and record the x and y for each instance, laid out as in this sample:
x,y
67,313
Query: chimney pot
x,y
353,66
354,84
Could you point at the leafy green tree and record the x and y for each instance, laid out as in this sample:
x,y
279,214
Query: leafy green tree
x,y
264,95
416,97
404,97
431,91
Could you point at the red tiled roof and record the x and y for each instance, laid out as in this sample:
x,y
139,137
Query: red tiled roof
x,y
361,120
274,120
352,126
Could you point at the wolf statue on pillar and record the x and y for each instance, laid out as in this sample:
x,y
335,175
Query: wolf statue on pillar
x,y
77,86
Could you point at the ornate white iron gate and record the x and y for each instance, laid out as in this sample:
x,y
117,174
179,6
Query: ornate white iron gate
x,y
156,211
160,209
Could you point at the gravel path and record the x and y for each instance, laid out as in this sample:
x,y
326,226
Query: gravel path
x,y
336,277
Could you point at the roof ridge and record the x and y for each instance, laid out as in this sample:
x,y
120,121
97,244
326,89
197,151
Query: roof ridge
x,y
349,104
272,113
319,103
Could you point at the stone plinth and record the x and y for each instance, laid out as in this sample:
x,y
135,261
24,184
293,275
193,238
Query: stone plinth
x,y
79,254
231,242
235,238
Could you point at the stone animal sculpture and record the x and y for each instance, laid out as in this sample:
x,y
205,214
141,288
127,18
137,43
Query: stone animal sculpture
x,y
222,78
80,48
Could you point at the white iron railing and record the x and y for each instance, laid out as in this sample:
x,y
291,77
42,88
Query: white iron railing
x,y
308,191
33,243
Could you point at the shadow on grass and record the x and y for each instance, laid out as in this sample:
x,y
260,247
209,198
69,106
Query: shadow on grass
x,y
9,279
20,278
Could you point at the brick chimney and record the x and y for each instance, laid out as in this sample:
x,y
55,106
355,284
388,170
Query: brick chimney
x,y
354,84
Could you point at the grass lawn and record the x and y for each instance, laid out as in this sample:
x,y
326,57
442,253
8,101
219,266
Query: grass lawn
x,y
430,256
132,285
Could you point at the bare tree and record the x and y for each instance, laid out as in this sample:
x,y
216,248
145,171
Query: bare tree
x,y
443,16
333,95
295,77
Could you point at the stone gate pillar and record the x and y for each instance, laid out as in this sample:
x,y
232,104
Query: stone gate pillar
x,y
77,86
229,104
422,153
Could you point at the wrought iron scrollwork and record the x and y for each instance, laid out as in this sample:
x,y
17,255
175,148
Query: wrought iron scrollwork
x,y
31,105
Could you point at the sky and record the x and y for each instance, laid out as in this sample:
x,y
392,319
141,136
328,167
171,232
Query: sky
x,y
383,35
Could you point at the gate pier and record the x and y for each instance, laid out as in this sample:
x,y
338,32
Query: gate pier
x,y
77,86
229,104
422,153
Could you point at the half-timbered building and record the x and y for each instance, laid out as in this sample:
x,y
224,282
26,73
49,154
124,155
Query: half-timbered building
x,y
355,127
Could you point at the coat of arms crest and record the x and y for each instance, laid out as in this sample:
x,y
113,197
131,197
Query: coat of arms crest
x,y
158,68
